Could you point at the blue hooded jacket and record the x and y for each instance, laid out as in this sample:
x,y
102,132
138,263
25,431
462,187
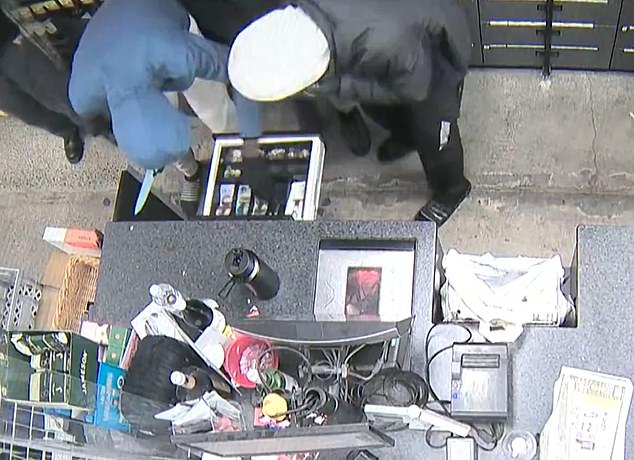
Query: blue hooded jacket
x,y
131,52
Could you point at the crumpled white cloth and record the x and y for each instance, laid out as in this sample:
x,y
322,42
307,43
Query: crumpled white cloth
x,y
503,293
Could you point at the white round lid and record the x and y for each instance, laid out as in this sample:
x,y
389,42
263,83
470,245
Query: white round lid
x,y
178,378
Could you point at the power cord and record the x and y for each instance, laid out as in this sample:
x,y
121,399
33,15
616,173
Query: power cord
x,y
302,356
395,387
486,440
429,360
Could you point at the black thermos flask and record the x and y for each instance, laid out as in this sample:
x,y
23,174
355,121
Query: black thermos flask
x,y
247,268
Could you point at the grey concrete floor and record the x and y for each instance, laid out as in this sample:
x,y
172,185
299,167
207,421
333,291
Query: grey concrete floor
x,y
542,160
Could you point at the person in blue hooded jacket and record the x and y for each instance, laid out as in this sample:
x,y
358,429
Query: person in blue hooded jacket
x,y
133,51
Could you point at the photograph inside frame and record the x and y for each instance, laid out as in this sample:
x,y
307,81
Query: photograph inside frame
x,y
364,283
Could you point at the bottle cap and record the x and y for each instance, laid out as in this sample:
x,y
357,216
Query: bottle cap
x,y
156,291
178,378
275,407
239,263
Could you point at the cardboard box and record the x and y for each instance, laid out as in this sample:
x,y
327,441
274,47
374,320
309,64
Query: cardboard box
x,y
51,281
107,413
223,198
108,406
65,380
75,241
117,341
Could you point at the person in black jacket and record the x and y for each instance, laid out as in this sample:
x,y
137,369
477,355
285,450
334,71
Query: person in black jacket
x,y
403,61
34,90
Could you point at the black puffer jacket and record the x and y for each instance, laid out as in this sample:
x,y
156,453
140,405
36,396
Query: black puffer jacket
x,y
8,31
389,52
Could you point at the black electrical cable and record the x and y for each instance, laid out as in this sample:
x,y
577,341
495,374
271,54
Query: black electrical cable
x,y
494,436
487,444
258,362
394,387
429,360
429,436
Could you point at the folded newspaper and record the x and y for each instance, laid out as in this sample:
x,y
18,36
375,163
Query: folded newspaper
x,y
504,293
589,416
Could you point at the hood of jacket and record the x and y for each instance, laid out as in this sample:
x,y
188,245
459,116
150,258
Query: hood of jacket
x,y
385,41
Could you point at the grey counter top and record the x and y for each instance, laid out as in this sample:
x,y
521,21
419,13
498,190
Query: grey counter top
x,y
189,255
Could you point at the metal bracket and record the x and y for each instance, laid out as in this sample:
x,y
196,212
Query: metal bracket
x,y
549,9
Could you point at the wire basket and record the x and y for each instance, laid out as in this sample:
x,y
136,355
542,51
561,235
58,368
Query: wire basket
x,y
76,293
20,298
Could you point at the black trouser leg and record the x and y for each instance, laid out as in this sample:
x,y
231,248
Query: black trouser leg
x,y
418,127
440,149
36,75
17,103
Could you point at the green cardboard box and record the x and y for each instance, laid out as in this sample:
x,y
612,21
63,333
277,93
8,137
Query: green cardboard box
x,y
117,341
64,380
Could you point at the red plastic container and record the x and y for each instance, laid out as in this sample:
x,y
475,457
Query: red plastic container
x,y
240,360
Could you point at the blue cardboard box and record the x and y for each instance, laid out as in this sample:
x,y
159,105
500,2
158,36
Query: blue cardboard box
x,y
108,409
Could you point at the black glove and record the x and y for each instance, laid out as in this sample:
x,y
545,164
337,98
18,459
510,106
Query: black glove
x,y
262,174
255,170
256,174
355,132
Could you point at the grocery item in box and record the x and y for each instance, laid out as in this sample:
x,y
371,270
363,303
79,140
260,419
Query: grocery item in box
x,y
130,351
47,377
295,202
226,199
117,341
244,200
290,158
51,361
107,409
36,343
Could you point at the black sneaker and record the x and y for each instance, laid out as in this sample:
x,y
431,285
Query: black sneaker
x,y
392,150
442,205
74,147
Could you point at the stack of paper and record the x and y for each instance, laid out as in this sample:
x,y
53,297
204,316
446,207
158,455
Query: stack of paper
x,y
589,416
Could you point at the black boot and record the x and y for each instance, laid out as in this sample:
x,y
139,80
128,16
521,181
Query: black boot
x,y
355,132
74,146
392,150
444,204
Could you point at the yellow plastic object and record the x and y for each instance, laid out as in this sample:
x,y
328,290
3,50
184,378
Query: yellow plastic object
x,y
275,407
